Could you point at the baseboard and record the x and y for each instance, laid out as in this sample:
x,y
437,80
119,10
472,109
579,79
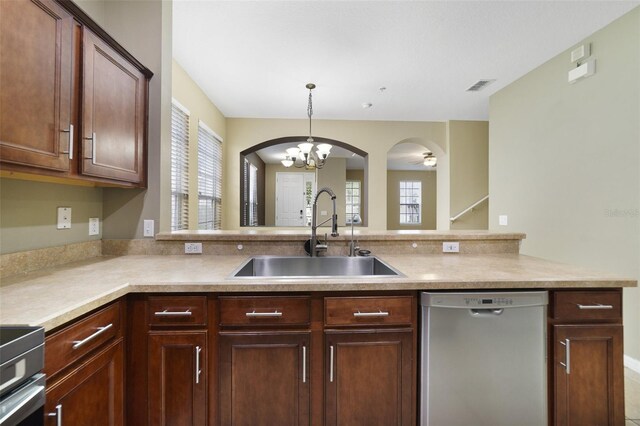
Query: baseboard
x,y
632,363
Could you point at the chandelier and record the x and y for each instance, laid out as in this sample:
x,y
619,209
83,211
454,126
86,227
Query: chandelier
x,y
303,155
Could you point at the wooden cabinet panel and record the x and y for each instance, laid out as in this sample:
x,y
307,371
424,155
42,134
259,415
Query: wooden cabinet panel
x,y
264,311
36,41
588,375
364,311
113,114
368,378
587,305
166,311
73,342
264,378
91,394
177,378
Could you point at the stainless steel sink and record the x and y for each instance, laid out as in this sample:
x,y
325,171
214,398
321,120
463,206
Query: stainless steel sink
x,y
313,267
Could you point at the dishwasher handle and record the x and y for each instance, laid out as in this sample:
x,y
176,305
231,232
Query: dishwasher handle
x,y
490,312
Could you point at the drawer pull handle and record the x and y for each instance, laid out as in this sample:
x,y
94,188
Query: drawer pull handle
x,y
380,313
167,313
78,343
596,306
264,314
567,363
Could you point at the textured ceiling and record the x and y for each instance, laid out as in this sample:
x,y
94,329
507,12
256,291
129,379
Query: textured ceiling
x,y
253,58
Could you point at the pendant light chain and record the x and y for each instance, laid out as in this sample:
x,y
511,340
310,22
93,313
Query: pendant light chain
x,y
310,113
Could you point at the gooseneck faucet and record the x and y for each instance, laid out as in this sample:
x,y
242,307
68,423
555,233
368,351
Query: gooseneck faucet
x,y
315,247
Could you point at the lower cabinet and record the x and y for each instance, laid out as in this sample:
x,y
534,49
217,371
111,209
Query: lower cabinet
x,y
177,380
368,378
264,378
589,383
90,394
587,373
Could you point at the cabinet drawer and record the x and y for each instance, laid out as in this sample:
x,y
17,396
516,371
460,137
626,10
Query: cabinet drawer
x,y
264,311
357,311
71,343
177,310
587,305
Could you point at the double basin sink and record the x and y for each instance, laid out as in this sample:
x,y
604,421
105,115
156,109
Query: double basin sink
x,y
314,267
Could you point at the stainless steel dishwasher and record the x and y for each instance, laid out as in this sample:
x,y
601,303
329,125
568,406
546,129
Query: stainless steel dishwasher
x,y
484,359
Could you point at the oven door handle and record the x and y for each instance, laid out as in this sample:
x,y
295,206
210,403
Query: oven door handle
x,y
26,402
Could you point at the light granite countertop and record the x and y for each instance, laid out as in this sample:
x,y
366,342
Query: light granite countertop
x,y
53,296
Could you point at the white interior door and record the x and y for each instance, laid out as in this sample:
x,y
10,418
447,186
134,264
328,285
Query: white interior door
x,y
291,199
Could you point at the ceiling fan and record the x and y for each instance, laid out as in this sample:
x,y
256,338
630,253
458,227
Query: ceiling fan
x,y
428,159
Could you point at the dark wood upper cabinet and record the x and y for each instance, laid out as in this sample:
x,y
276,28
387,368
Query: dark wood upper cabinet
x,y
37,45
73,102
113,113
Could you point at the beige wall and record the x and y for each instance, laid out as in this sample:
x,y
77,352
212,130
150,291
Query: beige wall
x,y
190,96
374,137
565,161
429,188
469,172
28,214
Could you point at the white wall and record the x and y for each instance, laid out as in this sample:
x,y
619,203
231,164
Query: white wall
x,y
564,161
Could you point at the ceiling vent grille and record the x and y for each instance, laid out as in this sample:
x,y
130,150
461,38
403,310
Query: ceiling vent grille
x,y
479,85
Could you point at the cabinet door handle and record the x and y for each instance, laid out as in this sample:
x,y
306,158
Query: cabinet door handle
x,y
331,363
380,313
596,306
264,314
198,370
304,364
567,357
70,151
57,414
93,140
167,313
78,343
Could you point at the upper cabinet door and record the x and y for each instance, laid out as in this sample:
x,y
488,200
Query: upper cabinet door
x,y
36,45
113,114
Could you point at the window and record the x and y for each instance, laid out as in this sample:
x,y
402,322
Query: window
x,y
253,195
353,199
209,179
179,167
410,202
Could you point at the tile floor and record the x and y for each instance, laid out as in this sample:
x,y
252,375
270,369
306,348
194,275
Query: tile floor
x,y
632,397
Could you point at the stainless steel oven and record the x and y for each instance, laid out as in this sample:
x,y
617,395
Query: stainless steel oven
x,y
22,384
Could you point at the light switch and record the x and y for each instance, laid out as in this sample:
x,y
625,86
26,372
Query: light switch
x,y
148,228
64,217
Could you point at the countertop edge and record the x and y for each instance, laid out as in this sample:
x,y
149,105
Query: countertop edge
x,y
81,308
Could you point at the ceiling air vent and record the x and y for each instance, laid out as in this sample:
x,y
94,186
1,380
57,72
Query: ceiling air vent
x,y
479,85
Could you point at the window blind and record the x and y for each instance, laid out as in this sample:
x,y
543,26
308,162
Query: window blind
x,y
179,167
209,179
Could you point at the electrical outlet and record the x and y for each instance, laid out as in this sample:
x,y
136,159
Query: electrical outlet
x,y
451,247
148,229
503,220
64,217
94,226
193,248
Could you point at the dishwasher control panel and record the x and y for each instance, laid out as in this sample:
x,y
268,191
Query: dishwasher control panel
x,y
475,300
488,301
